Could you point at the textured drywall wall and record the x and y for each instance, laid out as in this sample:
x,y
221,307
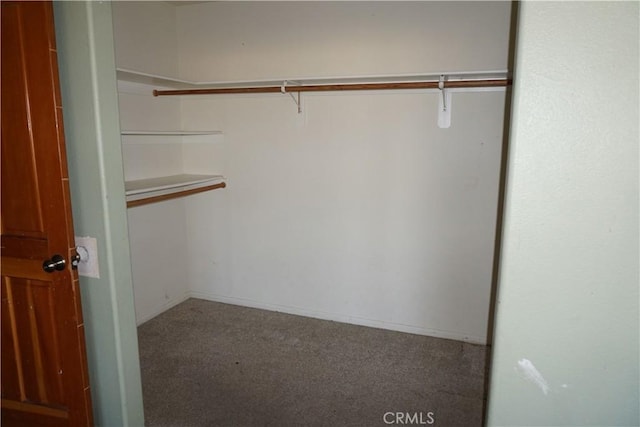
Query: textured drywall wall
x,y
157,232
368,213
145,37
145,41
360,209
274,40
566,338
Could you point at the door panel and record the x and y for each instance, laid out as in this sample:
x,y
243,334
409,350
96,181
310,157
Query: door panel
x,y
44,370
29,305
23,214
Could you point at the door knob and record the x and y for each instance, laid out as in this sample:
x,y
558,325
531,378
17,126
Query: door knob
x,y
57,262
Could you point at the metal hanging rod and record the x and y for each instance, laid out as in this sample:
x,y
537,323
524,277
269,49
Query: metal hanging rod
x,y
453,84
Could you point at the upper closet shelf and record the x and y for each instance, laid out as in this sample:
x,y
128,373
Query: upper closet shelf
x,y
151,79
170,133
291,83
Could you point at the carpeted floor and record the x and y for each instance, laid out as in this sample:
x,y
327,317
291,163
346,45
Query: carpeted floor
x,y
210,364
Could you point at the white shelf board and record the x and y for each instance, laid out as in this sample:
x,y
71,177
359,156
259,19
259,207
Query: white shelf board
x,y
156,80
152,79
151,187
170,133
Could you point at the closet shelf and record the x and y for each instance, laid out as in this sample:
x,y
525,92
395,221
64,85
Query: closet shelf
x,y
291,82
170,133
151,190
151,79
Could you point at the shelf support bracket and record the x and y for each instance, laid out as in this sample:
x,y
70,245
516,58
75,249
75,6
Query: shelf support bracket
x,y
283,89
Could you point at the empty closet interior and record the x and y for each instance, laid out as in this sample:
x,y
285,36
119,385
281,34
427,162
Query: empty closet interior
x,y
373,207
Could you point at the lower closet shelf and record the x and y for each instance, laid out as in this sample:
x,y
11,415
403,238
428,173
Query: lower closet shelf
x,y
151,190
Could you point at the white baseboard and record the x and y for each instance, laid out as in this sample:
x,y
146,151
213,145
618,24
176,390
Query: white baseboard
x,y
161,309
340,318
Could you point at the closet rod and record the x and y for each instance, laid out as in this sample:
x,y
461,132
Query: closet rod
x,y
339,87
163,197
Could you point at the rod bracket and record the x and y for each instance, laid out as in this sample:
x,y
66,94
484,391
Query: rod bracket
x,y
441,87
283,90
444,104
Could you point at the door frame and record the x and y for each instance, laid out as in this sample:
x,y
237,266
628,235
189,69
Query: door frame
x,y
84,34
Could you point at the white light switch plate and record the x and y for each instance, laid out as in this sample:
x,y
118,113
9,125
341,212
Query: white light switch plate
x,y
87,248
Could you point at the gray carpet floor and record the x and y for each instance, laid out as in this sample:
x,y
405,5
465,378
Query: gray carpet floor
x,y
210,364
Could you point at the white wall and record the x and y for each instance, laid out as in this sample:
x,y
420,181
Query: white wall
x,y
568,290
361,209
368,213
157,232
145,40
259,40
145,37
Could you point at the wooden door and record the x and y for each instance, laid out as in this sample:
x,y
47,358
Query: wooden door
x,y
44,368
